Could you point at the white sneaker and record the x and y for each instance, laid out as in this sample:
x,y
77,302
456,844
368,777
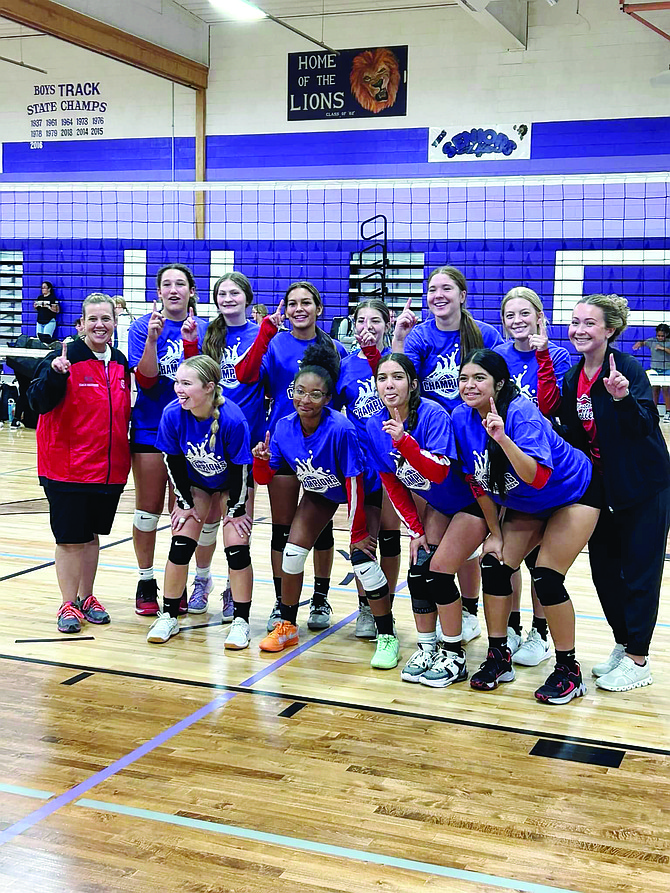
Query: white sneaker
x,y
163,628
419,662
447,668
626,676
365,624
612,662
533,651
238,637
513,640
470,629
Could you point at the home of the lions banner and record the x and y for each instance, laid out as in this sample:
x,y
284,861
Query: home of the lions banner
x,y
362,83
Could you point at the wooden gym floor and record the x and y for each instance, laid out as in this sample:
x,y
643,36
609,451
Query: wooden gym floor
x,y
135,767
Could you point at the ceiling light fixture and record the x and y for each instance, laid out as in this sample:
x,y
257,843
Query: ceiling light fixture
x,y
240,9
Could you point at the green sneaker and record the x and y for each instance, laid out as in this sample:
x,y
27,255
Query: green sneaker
x,y
387,654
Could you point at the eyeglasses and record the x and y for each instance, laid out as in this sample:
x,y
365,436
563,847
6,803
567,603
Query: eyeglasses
x,y
313,396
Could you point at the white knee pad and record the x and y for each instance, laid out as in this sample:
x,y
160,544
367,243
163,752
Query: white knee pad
x,y
293,559
145,521
370,574
209,533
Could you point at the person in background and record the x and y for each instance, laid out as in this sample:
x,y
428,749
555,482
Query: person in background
x,y
258,313
79,331
47,308
123,320
660,363
82,394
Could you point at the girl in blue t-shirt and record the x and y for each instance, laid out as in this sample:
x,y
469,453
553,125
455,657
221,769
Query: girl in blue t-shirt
x,y
274,359
356,393
204,439
229,336
157,343
413,447
513,458
525,326
321,447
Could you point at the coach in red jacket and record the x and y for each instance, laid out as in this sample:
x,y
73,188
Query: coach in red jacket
x,y
83,456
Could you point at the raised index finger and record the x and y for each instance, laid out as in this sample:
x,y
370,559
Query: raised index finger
x,y
542,324
63,351
280,309
408,305
493,405
612,364
267,439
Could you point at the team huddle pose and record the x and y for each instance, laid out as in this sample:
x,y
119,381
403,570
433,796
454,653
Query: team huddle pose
x,y
490,451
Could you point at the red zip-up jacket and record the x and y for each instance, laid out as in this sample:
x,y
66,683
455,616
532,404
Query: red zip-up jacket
x,y
82,432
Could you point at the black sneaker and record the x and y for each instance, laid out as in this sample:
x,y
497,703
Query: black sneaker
x,y
146,598
562,686
319,615
496,668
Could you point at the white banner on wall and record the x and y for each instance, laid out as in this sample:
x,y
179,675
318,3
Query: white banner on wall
x,y
70,111
475,142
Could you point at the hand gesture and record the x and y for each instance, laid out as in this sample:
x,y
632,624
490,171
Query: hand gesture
x,y
156,323
494,424
367,545
189,328
366,339
394,426
61,364
242,524
493,545
616,384
414,546
277,318
178,517
541,340
262,450
405,322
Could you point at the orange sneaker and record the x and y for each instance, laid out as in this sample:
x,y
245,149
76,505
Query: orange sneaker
x,y
284,635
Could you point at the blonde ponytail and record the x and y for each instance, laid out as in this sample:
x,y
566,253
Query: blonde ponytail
x,y
214,429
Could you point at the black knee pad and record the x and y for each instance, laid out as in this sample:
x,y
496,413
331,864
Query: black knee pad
x,y
442,588
324,540
181,550
496,577
418,590
280,534
389,543
531,559
549,587
238,557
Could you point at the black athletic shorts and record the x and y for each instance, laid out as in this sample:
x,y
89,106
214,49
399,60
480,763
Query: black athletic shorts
x,y
143,448
77,515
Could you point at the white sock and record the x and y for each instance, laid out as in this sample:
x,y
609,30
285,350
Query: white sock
x,y
203,572
427,641
146,573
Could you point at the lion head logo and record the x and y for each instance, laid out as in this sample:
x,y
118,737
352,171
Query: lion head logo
x,y
374,79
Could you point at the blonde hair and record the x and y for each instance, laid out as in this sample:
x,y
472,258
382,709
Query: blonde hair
x,y
97,298
209,371
615,311
526,294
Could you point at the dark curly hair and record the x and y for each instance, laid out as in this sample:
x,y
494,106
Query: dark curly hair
x,y
321,360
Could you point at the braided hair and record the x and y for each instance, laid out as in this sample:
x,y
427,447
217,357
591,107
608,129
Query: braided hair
x,y
217,331
414,398
321,360
506,391
209,371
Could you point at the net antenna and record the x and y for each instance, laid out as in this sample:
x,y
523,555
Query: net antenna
x,y
373,259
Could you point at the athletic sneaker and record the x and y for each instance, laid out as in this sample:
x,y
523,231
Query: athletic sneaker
x,y
238,636
366,627
470,629
275,616
93,611
447,667
419,662
496,668
70,618
562,686
197,604
163,628
616,656
284,635
319,615
227,607
146,598
513,640
626,676
387,653
532,651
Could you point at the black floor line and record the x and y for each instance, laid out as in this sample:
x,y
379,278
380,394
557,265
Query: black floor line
x,y
292,709
606,757
70,638
73,680
344,705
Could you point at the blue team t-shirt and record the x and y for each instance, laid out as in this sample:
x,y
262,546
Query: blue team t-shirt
x,y
522,365
249,397
323,460
280,364
437,358
181,433
433,432
532,433
150,404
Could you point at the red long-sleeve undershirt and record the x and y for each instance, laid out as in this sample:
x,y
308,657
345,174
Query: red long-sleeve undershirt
x,y
146,382
248,370
542,475
433,467
548,393
402,502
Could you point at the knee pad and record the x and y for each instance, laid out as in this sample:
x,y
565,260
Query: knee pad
x,y
370,574
145,521
279,539
238,557
208,534
293,559
531,559
418,590
325,539
389,543
496,577
442,588
549,587
181,550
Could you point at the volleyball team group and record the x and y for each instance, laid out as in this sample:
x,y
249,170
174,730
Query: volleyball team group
x,y
490,451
